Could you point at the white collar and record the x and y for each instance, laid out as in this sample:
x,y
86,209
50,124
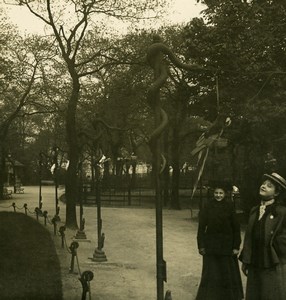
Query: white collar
x,y
268,202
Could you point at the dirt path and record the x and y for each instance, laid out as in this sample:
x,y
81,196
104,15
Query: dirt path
x,y
130,272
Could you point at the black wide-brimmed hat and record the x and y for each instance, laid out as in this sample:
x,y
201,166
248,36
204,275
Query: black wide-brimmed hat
x,y
276,178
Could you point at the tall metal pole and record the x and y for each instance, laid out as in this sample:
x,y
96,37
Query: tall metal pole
x,y
81,233
156,61
99,254
40,179
161,264
99,219
56,166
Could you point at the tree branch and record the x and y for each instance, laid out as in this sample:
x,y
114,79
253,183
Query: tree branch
x,y
5,125
35,13
97,54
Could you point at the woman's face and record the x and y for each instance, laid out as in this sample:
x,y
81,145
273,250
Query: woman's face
x,y
219,194
267,190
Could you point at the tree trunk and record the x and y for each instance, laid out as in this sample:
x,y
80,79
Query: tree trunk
x,y
2,170
73,153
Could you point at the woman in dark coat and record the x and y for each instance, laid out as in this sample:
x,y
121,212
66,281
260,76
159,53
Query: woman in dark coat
x,y
218,242
264,250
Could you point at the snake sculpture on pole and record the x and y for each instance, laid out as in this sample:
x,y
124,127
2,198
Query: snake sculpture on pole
x,y
156,58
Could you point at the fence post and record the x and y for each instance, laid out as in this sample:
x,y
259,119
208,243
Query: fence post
x,y
73,247
99,254
38,212
45,215
85,278
54,221
26,208
62,232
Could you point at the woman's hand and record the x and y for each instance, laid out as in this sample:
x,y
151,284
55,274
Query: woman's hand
x,y
202,251
235,251
244,269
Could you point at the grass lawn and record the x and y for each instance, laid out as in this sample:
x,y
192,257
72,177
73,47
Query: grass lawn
x,y
29,266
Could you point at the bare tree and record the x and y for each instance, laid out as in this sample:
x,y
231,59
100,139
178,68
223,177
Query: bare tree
x,y
71,33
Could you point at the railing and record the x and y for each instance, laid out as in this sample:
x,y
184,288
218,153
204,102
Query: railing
x,y
138,196
117,192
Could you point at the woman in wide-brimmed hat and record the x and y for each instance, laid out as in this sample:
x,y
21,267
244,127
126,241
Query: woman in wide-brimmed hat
x,y
218,242
264,251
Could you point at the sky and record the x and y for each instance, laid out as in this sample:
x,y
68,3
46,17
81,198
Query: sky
x,y
181,11
184,10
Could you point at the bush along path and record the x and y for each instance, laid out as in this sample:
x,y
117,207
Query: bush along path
x,y
75,284
30,267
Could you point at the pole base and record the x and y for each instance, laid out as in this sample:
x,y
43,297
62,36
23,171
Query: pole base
x,y
80,235
99,256
168,295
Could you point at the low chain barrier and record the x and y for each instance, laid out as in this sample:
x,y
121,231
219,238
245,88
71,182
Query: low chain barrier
x,y
86,276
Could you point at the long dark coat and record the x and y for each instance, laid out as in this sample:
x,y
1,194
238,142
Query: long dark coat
x,y
219,229
267,280
219,234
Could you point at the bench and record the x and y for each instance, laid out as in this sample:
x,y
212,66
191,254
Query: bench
x,y
19,189
7,194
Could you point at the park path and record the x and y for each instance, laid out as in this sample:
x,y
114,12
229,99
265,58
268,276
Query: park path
x,y
130,272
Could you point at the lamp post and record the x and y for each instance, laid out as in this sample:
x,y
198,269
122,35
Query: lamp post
x,y
55,167
41,157
9,164
99,254
80,233
132,163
